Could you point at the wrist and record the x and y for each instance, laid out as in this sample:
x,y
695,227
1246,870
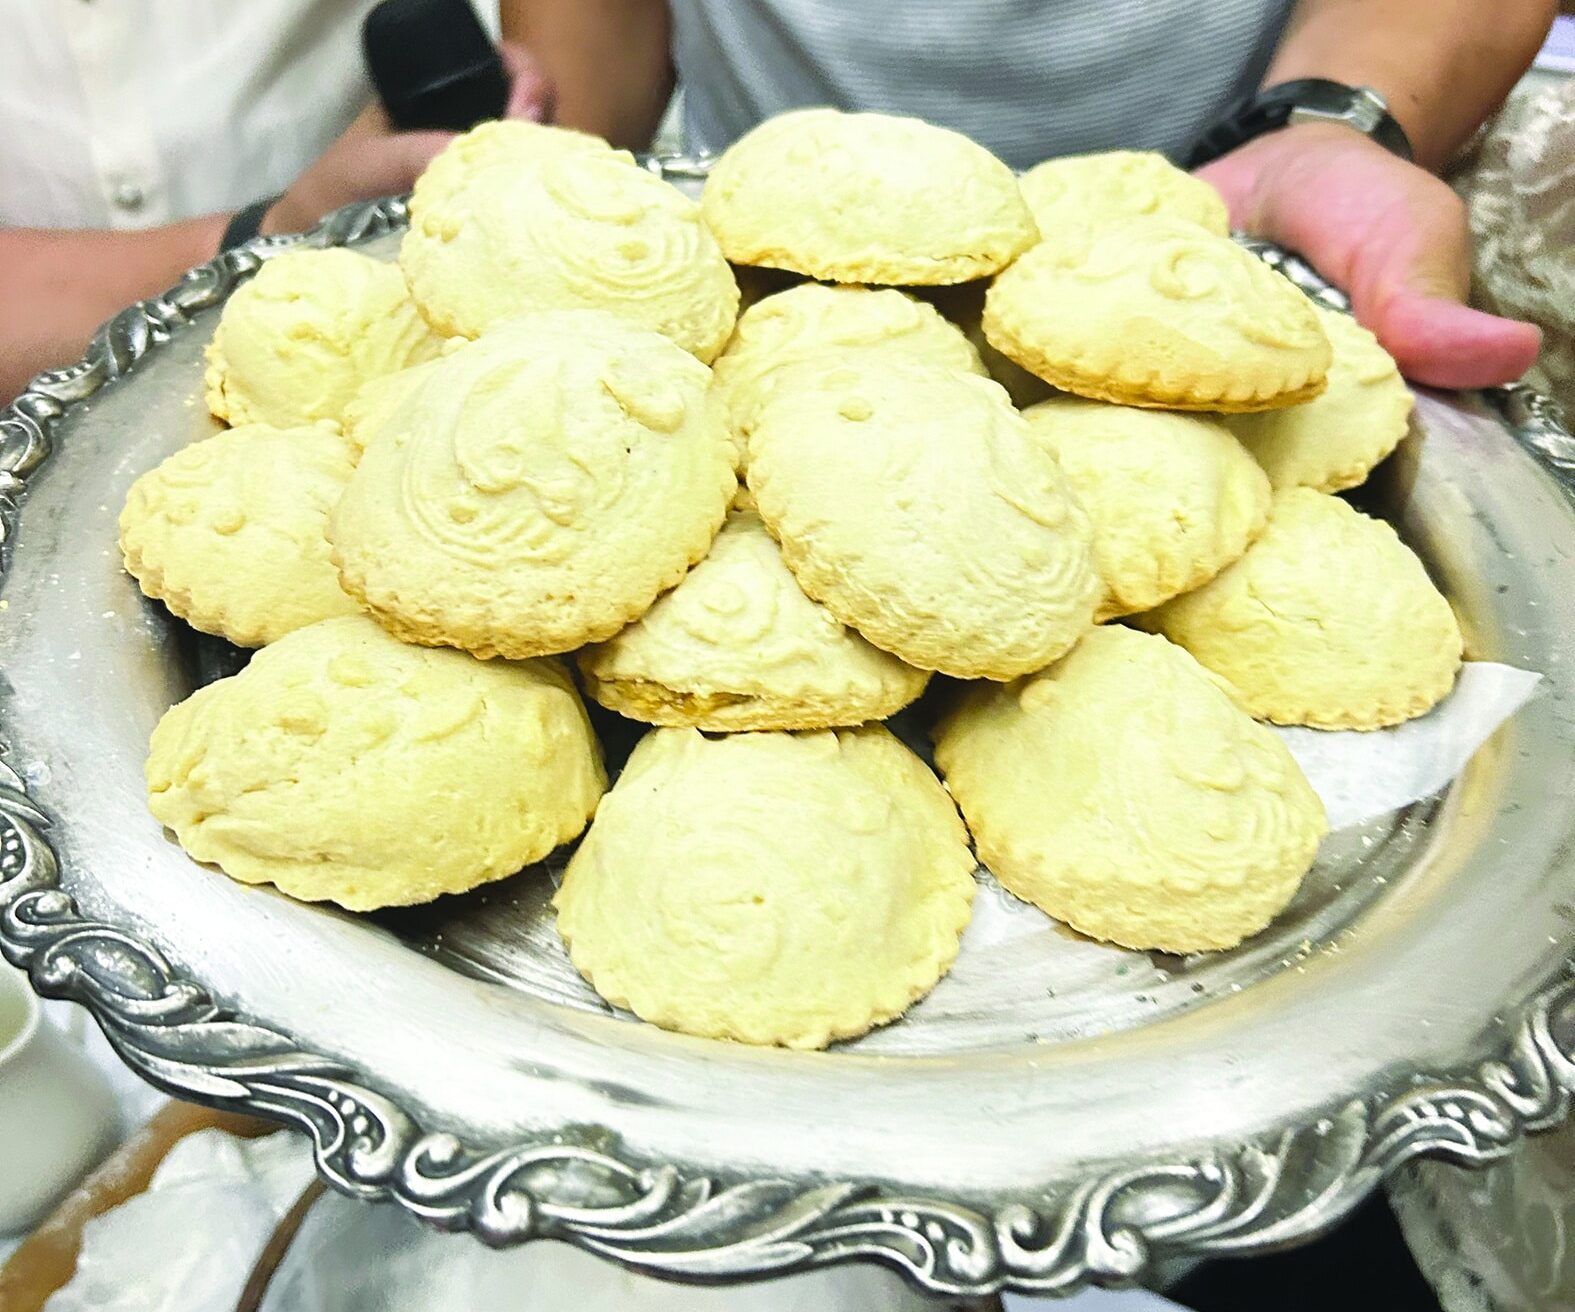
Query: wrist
x,y
1305,101
1443,65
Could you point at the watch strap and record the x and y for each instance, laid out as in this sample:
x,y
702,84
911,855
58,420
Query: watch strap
x,y
1310,99
246,223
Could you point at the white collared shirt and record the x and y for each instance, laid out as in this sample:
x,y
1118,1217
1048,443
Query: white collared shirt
x,y
132,113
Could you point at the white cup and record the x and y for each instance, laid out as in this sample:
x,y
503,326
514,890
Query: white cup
x,y
57,1111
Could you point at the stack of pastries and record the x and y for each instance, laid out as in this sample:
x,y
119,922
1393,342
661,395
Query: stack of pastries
x,y
1054,437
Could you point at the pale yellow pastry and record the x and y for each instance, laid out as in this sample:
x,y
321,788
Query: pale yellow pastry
x,y
738,646
918,507
376,402
1173,498
813,320
1097,189
575,229
1329,620
228,532
1333,441
295,343
1123,792
1024,388
1157,312
866,198
342,765
769,888
542,486
509,144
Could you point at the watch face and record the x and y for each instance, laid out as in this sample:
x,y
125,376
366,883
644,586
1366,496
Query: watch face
x,y
1353,116
1368,109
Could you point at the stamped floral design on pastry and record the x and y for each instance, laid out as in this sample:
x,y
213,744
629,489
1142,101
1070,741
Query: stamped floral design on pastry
x,y
918,507
1334,441
1091,190
1123,792
866,198
343,765
295,343
577,229
775,888
546,483
1329,620
228,532
1158,312
813,320
1173,498
738,646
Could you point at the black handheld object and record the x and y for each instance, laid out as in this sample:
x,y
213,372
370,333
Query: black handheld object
x,y
433,64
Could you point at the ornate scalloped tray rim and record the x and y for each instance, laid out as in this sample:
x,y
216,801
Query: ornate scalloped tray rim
x,y
1112,1230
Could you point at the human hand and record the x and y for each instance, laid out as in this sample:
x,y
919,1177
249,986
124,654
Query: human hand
x,y
370,159
1390,234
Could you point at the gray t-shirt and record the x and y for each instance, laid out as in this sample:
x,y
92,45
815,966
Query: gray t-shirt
x,y
1028,78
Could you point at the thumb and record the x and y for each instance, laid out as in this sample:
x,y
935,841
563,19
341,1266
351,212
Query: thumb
x,y
1234,180
1414,304
1441,343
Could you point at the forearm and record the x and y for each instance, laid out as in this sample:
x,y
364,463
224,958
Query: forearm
x,y
1443,65
608,61
57,287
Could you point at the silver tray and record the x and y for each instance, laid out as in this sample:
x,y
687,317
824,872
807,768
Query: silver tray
x,y
1070,1116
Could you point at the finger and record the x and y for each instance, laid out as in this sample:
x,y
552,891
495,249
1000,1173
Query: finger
x,y
370,122
1234,184
392,164
1442,343
530,90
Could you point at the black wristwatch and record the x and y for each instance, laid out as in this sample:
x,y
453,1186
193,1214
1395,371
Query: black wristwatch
x,y
1307,100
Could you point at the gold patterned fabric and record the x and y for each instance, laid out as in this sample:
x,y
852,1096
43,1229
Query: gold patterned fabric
x,y
1518,182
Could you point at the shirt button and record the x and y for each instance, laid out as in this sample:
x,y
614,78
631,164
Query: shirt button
x,y
128,196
